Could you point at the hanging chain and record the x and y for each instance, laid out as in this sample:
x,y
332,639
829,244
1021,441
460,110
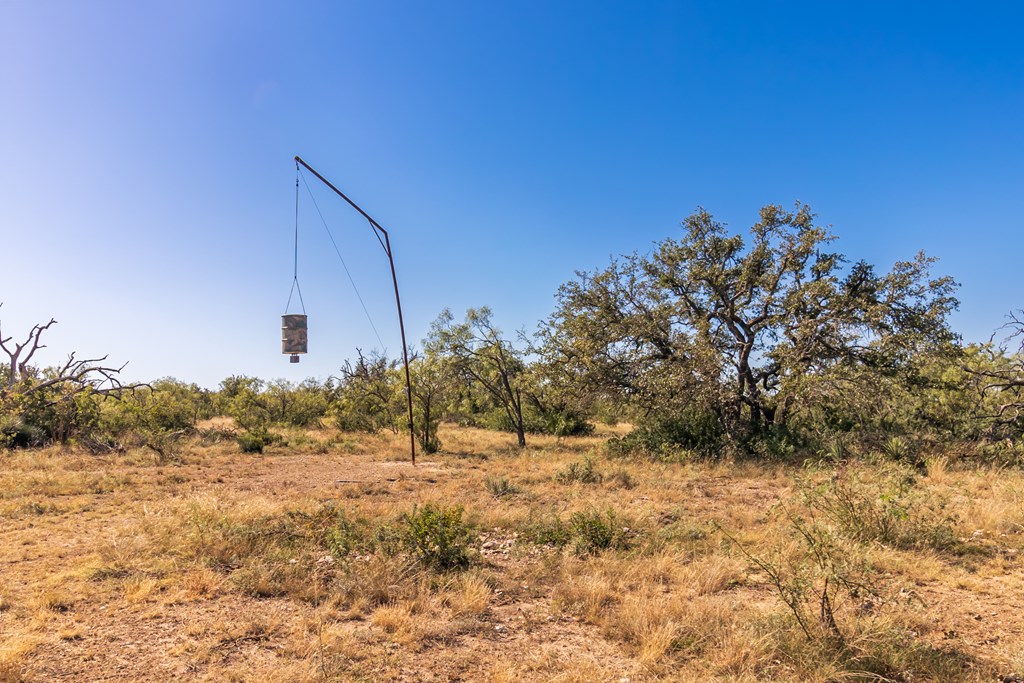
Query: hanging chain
x,y
295,271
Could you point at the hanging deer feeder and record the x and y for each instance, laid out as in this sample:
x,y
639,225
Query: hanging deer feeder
x,y
294,335
293,326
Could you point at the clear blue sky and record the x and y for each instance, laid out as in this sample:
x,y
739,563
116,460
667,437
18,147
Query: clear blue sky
x,y
147,187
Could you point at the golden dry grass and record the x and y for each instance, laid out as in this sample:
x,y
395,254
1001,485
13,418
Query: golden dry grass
x,y
223,566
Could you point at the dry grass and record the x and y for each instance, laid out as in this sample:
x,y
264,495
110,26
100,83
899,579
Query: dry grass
x,y
294,565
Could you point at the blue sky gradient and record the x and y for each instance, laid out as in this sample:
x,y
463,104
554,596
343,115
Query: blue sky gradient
x,y
147,187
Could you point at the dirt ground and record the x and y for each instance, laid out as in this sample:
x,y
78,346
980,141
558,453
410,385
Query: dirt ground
x,y
101,579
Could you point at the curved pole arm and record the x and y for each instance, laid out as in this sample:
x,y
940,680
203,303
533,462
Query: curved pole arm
x,y
398,300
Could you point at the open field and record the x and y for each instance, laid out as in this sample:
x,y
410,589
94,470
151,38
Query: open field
x,y
301,565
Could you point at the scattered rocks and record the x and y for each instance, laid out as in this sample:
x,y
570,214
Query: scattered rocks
x,y
496,543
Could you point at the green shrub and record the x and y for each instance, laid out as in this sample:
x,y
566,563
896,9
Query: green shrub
x,y
588,531
369,397
581,472
437,536
1005,453
776,443
671,439
548,531
816,575
882,503
345,535
426,434
243,399
255,440
170,405
302,405
593,532
563,423
555,422
14,433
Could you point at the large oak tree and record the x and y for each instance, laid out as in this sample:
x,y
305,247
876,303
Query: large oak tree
x,y
752,328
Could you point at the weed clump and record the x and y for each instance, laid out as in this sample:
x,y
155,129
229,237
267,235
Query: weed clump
x,y
594,531
500,487
589,532
883,504
579,472
437,536
551,531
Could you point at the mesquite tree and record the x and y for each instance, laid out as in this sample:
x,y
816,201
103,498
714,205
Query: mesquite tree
x,y
478,355
433,376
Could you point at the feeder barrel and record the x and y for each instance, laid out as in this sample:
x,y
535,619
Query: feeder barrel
x,y
294,334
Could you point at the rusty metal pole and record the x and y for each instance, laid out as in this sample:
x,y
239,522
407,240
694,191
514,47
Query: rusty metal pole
x,y
405,349
398,301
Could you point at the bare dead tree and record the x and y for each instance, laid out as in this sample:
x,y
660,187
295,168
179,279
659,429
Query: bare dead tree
x,y
19,364
74,376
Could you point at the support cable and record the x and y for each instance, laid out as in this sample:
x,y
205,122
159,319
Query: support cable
x,y
342,259
295,271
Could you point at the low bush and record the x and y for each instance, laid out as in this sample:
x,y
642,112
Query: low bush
x,y
563,423
589,532
15,433
882,503
437,536
670,439
548,531
255,440
579,472
594,531
816,574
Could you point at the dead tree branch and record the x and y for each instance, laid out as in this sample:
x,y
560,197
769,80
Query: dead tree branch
x,y
73,376
19,365
999,378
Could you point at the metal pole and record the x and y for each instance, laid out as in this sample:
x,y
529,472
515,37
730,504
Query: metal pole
x,y
398,301
405,349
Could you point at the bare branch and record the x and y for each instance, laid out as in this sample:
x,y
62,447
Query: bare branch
x,y
72,377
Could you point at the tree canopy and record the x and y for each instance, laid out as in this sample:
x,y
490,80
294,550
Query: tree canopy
x,y
751,328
